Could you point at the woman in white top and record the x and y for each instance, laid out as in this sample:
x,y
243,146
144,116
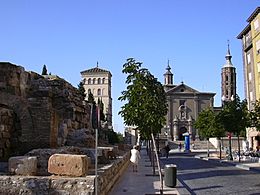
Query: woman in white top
x,y
135,157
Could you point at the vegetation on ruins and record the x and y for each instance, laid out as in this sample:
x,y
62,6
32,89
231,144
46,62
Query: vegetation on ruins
x,y
145,106
82,89
44,70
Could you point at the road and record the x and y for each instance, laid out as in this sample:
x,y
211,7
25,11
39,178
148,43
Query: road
x,y
197,176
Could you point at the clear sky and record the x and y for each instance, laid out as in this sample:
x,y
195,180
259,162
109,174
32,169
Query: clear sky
x,y
70,36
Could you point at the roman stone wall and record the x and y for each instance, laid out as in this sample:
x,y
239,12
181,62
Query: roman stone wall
x,y
37,111
31,185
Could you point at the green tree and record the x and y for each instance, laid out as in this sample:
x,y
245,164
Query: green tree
x,y
209,126
101,106
145,98
254,116
91,97
234,117
44,70
82,89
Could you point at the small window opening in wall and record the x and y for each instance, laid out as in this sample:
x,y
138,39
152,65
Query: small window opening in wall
x,y
182,90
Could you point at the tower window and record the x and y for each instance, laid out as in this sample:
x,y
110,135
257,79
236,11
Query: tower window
x,y
99,92
103,80
89,81
226,77
99,81
94,81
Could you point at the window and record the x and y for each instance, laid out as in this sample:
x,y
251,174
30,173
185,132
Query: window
x,y
99,92
89,91
258,46
94,81
248,57
99,81
256,24
251,96
249,76
89,81
103,81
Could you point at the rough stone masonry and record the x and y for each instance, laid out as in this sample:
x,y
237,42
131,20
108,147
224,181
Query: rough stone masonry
x,y
37,111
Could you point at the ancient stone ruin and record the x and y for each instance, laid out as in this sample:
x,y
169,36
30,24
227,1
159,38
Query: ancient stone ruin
x,y
46,138
37,111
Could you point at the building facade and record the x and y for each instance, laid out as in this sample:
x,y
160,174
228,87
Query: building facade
x,y
98,82
184,106
250,37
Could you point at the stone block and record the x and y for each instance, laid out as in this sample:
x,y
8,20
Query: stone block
x,y
23,165
68,164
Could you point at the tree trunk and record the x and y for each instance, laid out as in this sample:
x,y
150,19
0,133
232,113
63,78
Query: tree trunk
x,y
238,147
158,164
152,154
220,148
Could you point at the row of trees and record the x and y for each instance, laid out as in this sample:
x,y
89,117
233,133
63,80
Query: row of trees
x,y
233,118
145,105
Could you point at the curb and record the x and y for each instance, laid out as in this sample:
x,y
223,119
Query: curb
x,y
240,166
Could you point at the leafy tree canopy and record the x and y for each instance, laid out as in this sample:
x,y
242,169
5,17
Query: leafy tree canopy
x,y
255,116
145,98
208,124
234,117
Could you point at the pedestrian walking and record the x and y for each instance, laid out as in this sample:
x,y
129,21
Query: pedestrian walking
x,y
135,157
180,146
167,150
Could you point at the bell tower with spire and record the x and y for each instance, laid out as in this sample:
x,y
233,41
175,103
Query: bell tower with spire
x,y
168,76
228,79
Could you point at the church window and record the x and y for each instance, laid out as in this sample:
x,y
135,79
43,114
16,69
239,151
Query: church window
x,y
89,81
99,81
99,92
103,81
94,81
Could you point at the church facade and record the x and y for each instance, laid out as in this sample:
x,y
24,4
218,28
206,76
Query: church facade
x,y
184,106
185,103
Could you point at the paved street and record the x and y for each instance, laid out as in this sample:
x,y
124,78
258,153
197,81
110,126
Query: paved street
x,y
197,176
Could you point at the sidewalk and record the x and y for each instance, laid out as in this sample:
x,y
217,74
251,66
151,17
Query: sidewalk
x,y
246,165
142,182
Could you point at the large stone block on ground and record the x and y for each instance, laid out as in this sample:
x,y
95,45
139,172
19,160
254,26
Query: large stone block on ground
x,y
68,164
23,165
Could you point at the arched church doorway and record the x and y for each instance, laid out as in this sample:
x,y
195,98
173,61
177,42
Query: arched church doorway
x,y
181,131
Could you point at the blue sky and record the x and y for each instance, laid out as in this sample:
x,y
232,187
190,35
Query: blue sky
x,y
71,36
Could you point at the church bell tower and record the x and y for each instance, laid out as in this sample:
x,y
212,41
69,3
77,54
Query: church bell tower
x,y
228,79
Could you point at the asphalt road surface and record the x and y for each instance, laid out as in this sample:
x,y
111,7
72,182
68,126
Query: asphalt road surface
x,y
197,176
